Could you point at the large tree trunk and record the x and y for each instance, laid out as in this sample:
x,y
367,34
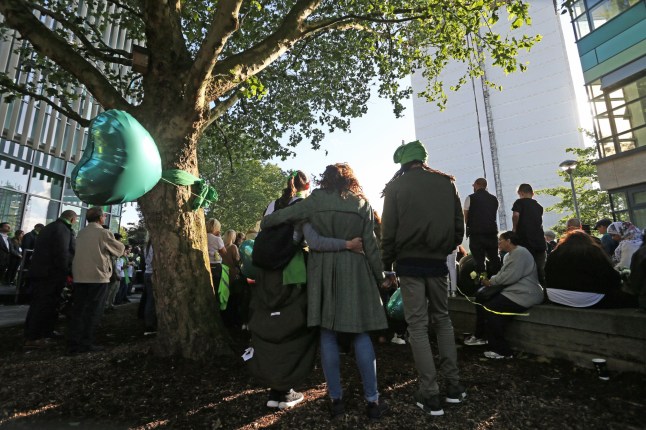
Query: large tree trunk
x,y
189,321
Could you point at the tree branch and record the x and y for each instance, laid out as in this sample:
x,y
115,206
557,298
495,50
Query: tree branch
x,y
222,107
49,44
63,108
80,32
258,57
127,8
224,24
164,37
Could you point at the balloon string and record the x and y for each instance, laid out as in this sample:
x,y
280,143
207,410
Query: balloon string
x,y
191,192
489,310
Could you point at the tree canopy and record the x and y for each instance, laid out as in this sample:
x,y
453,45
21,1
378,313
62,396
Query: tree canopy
x,y
594,204
267,71
245,187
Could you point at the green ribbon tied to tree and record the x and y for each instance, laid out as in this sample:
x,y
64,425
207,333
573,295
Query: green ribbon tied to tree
x,y
203,192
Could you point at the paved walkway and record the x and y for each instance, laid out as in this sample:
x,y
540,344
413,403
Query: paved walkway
x,y
14,315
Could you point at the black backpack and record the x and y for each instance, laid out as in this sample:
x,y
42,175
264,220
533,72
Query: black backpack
x,y
274,247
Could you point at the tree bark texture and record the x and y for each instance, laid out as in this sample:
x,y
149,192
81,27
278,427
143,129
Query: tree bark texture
x,y
189,323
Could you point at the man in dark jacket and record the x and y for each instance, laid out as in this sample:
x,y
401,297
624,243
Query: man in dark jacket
x,y
422,224
50,265
29,239
480,209
5,249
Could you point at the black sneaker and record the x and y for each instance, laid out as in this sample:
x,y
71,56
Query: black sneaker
x,y
431,405
337,408
376,410
290,399
456,393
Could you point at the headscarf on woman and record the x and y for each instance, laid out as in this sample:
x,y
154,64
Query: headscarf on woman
x,y
631,240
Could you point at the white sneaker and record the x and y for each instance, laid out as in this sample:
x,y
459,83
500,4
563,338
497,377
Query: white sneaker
x,y
474,341
397,340
292,398
495,356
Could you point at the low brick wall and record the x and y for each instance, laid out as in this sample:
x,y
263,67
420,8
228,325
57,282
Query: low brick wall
x,y
576,335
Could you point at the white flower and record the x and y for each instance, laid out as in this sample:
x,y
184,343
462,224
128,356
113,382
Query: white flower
x,y
473,275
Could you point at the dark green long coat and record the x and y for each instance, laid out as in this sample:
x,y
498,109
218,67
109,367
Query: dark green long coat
x,y
343,292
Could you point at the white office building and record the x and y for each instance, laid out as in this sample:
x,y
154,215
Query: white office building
x,y
518,135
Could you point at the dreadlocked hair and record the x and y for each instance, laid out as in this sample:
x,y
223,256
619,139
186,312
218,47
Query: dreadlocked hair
x,y
406,167
340,178
296,182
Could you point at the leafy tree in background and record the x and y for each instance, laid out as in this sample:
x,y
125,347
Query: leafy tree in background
x,y
245,188
261,73
594,204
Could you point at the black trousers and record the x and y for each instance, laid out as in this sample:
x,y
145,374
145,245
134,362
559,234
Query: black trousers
x,y
492,325
88,301
485,246
43,309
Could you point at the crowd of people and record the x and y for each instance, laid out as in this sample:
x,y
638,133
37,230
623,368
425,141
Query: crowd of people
x,y
325,296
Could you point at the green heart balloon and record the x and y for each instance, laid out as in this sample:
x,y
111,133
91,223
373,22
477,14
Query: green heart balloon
x,y
120,163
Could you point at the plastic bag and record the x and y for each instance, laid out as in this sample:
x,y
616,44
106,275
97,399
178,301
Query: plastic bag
x,y
395,306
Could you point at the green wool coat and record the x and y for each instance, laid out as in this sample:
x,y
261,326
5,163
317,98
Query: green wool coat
x,y
343,286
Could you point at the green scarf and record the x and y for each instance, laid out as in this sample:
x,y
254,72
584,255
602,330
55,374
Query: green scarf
x,y
223,288
125,269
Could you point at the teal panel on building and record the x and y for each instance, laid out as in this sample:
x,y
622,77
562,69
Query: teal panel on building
x,y
616,43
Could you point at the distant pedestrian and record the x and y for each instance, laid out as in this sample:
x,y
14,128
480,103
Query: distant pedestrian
x,y
91,268
29,239
480,211
607,243
51,264
5,249
527,219
15,257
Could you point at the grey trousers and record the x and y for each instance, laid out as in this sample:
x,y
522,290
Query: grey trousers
x,y
424,299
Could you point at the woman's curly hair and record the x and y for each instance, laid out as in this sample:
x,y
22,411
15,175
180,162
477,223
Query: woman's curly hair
x,y
340,178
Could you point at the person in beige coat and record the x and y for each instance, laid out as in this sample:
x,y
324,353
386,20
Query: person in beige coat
x,y
91,270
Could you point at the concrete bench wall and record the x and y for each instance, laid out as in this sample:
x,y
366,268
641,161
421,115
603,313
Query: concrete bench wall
x,y
576,335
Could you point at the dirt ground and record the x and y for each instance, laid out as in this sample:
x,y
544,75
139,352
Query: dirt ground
x,y
126,387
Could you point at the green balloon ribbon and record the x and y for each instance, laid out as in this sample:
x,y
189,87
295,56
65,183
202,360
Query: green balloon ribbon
x,y
204,193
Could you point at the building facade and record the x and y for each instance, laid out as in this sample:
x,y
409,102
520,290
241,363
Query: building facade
x,y
39,145
611,40
517,135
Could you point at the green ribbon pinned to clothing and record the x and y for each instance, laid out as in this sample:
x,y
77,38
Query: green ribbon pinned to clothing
x,y
295,272
204,193
223,289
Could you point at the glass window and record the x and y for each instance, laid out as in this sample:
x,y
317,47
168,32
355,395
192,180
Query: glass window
x,y
68,194
578,8
39,210
13,175
606,10
635,90
11,205
619,201
639,198
608,147
639,217
49,162
114,224
582,26
46,184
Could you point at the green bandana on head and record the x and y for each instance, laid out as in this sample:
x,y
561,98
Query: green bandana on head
x,y
412,151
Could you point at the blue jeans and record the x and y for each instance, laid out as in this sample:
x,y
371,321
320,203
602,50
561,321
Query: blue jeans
x,y
366,362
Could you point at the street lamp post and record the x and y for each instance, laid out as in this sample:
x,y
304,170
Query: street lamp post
x,y
568,166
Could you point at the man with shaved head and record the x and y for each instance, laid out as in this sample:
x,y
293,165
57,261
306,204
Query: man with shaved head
x,y
480,210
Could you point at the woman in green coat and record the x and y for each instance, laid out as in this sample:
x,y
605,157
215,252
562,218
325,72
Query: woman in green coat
x,y
343,295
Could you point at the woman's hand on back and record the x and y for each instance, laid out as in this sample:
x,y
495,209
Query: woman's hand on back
x,y
355,245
